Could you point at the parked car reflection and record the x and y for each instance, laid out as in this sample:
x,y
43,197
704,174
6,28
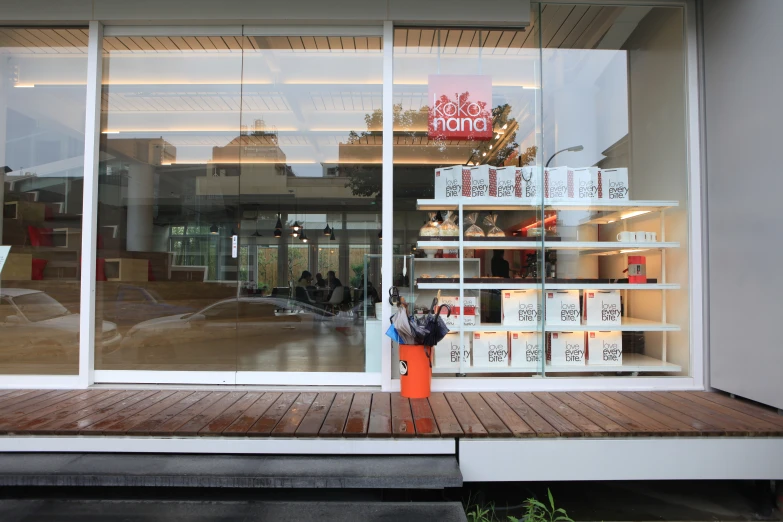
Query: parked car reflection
x,y
135,304
213,335
35,326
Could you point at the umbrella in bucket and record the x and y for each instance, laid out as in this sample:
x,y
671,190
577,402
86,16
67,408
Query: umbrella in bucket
x,y
432,326
400,328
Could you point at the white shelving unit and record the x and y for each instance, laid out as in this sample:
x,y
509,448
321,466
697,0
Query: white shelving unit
x,y
602,213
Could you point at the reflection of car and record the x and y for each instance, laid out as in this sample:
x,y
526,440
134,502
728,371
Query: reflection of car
x,y
33,324
134,305
214,330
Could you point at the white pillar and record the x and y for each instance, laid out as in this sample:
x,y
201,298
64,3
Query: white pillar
x,y
141,185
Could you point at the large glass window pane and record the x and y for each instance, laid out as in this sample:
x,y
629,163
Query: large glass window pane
x,y
168,202
466,131
43,76
614,139
309,158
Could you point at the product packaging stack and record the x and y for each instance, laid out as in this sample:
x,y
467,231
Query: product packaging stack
x,y
525,352
558,184
521,308
490,349
469,312
567,348
476,185
503,182
602,308
585,185
605,348
447,352
613,184
448,182
562,308
528,185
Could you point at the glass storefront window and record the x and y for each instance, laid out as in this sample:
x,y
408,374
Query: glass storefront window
x,y
43,75
233,171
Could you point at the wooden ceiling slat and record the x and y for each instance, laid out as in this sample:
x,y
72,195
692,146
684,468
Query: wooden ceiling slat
x,y
296,43
335,44
374,43
574,17
348,43
503,42
449,43
218,43
322,43
233,43
414,37
361,43
427,40
552,21
491,39
309,43
81,35
601,24
276,43
66,35
252,43
168,44
400,37
57,37
130,44
44,39
194,43
20,41
180,43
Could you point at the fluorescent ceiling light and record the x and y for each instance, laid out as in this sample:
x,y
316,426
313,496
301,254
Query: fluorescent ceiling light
x,y
110,132
634,214
24,85
632,250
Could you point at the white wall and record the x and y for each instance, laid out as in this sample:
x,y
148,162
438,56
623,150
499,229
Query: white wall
x,y
742,76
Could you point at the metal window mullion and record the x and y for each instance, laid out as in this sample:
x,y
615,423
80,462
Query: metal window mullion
x,y
92,134
387,263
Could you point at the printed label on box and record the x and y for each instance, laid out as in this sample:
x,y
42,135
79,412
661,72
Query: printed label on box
x,y
558,183
602,308
585,183
521,307
448,182
447,352
479,182
562,307
605,348
525,352
490,349
613,184
567,349
502,182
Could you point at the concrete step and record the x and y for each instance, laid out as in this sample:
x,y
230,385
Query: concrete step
x,y
224,511
228,471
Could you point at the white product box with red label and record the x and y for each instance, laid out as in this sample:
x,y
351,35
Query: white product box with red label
x,y
477,185
448,182
558,184
469,312
613,184
502,182
447,352
585,184
601,308
562,308
530,180
567,348
490,349
605,348
521,308
525,350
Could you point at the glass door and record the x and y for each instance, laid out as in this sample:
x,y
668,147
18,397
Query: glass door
x,y
309,205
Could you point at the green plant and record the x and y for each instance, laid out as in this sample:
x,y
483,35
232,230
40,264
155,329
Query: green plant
x,y
480,512
539,512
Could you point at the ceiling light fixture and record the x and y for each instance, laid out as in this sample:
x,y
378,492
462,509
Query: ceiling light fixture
x,y
213,229
327,230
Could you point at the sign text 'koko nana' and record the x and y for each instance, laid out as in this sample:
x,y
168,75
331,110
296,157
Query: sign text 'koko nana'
x,y
460,107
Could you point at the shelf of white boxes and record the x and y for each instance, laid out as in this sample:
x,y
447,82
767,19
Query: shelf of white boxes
x,y
604,212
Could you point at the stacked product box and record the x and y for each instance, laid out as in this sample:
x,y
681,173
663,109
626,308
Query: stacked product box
x,y
613,184
448,182
567,348
521,308
602,309
447,352
562,308
525,350
490,349
468,312
584,184
558,184
485,181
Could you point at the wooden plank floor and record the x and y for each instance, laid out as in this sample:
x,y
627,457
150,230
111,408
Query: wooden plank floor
x,y
189,413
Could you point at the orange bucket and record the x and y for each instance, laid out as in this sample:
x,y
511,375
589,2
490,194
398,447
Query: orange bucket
x,y
415,371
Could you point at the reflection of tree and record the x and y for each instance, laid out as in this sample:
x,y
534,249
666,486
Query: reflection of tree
x,y
267,267
366,181
328,259
298,261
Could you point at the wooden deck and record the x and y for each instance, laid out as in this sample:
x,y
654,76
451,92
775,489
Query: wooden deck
x,y
188,413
